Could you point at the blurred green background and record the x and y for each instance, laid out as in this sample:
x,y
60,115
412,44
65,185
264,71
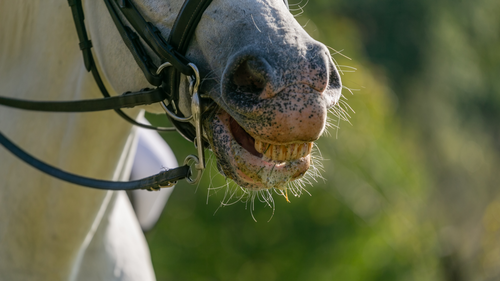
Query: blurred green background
x,y
411,189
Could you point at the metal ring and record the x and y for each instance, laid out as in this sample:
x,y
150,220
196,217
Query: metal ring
x,y
192,83
175,117
196,77
195,159
170,113
163,66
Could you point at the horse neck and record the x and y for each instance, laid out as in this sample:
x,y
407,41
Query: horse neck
x,y
40,59
38,44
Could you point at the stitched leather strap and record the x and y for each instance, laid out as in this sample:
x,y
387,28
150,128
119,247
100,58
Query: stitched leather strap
x,y
186,22
122,114
129,100
182,32
132,41
165,178
172,50
151,35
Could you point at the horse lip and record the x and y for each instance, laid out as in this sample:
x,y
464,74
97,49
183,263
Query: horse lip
x,y
277,152
251,171
262,177
243,138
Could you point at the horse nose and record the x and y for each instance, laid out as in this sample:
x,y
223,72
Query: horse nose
x,y
318,70
334,82
251,75
260,77
281,97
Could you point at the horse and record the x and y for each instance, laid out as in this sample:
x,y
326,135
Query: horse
x,y
270,86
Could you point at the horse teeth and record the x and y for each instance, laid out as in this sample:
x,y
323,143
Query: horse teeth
x,y
295,151
300,151
268,151
289,151
283,153
258,146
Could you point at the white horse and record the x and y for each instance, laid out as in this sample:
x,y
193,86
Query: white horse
x,y
51,230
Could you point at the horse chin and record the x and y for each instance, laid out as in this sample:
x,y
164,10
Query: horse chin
x,y
254,164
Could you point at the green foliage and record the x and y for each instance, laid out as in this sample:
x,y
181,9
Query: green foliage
x,y
410,188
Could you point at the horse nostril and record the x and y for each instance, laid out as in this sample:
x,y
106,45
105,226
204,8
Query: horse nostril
x,y
249,77
334,78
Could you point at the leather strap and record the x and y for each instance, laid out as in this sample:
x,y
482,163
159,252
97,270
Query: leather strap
x,y
151,35
182,32
186,22
85,44
127,100
132,41
163,179
136,48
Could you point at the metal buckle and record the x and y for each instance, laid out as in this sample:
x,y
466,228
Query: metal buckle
x,y
194,83
194,159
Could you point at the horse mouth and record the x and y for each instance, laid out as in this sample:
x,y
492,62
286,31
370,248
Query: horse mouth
x,y
254,163
271,152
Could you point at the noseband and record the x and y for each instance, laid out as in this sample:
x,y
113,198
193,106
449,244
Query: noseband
x,y
165,77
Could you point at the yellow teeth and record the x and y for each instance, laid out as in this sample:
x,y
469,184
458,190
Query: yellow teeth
x,y
283,152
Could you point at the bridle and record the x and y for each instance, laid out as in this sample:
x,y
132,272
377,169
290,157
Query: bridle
x,y
165,77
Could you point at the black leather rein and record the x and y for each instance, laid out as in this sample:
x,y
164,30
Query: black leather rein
x,y
170,52
163,179
127,100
